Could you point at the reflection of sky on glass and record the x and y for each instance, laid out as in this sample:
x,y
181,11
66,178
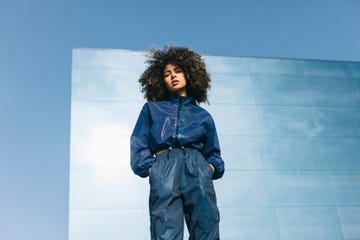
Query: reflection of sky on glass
x,y
219,64
286,121
105,107
99,151
230,88
333,149
349,218
305,223
104,59
273,67
330,92
301,189
278,90
287,153
324,69
248,149
337,122
284,128
105,117
245,222
244,194
104,84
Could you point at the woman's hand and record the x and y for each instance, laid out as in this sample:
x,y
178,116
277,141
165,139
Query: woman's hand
x,y
212,167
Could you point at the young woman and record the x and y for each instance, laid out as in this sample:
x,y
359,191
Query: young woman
x,y
175,143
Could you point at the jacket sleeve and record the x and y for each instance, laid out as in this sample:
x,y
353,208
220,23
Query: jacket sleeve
x,y
141,157
212,151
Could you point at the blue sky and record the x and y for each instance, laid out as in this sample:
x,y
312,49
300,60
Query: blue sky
x,y
36,39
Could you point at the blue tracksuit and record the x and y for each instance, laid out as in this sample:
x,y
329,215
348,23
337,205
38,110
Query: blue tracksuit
x,y
181,178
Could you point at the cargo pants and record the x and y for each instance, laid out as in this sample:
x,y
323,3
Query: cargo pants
x,y
181,186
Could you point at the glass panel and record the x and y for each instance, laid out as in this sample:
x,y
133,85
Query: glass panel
x,y
104,117
241,152
244,188
279,90
99,152
291,153
324,69
330,92
285,121
345,187
349,221
220,64
300,188
234,119
337,122
340,153
140,58
271,67
308,223
107,224
99,190
356,85
105,84
105,59
230,88
244,223
354,69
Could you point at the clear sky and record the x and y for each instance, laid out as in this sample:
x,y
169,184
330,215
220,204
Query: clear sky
x,y
36,39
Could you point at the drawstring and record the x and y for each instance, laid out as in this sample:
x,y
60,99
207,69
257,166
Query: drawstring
x,y
168,152
183,150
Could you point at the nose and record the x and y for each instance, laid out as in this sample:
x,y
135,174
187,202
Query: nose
x,y
173,75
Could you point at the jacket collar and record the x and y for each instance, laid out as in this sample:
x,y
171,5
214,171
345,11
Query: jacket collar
x,y
175,98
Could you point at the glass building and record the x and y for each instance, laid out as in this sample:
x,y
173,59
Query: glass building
x,y
289,131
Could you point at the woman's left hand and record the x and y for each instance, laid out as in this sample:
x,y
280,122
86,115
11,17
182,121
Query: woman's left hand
x,y
212,167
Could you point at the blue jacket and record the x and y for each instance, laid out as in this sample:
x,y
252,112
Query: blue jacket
x,y
176,122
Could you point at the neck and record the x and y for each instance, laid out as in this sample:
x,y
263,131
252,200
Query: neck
x,y
182,93
177,94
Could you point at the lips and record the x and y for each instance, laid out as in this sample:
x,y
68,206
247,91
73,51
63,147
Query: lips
x,y
174,82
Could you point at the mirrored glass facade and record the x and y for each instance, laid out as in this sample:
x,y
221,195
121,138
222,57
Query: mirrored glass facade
x,y
289,132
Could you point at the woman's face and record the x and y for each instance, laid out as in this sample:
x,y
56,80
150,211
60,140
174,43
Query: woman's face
x,y
175,79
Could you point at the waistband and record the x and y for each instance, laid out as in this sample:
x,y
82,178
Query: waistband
x,y
172,148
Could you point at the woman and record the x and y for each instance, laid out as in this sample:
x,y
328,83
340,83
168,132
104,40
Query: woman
x,y
175,143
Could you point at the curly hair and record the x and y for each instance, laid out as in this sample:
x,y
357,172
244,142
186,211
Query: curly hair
x,y
197,78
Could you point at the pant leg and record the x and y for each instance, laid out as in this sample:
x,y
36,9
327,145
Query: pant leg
x,y
200,206
165,203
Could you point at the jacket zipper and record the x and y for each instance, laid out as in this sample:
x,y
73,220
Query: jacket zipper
x,y
177,124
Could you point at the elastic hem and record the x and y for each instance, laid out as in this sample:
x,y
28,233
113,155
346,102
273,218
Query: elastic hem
x,y
169,150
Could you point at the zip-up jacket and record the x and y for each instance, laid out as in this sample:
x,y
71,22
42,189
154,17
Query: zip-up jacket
x,y
177,122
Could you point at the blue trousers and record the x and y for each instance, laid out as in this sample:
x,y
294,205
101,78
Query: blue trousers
x,y
181,186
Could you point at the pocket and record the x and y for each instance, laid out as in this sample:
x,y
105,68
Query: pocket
x,y
206,166
153,168
156,167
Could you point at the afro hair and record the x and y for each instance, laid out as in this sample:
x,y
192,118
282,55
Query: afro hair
x,y
152,83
